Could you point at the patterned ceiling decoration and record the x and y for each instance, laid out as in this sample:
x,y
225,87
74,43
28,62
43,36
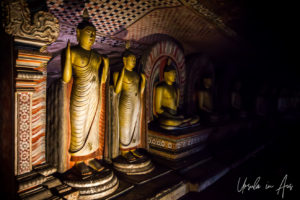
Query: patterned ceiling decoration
x,y
140,21
172,24
211,16
230,11
109,17
163,23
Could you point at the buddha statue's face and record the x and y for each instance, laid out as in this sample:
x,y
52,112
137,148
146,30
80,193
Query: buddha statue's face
x,y
129,62
170,76
207,82
86,36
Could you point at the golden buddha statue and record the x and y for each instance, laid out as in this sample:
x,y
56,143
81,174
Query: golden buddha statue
x,y
83,64
166,103
205,101
131,87
205,96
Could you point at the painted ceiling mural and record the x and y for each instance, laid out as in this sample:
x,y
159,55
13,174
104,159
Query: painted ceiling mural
x,y
142,22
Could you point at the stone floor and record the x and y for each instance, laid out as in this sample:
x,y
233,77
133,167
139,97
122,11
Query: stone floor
x,y
264,155
271,165
225,157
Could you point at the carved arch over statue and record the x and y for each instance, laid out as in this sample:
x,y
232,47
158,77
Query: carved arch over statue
x,y
197,66
152,67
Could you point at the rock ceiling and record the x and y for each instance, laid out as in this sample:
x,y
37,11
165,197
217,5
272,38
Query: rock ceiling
x,y
188,22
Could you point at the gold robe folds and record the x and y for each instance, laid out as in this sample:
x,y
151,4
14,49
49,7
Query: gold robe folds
x,y
85,107
129,114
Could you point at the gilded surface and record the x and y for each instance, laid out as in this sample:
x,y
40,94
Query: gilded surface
x,y
167,103
85,108
129,107
84,64
130,86
45,26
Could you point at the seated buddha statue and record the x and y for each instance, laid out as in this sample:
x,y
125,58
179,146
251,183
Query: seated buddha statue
x,y
130,85
205,101
83,65
166,103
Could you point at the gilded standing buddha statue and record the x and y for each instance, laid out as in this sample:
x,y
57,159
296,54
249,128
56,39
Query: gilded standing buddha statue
x,y
83,64
131,87
205,101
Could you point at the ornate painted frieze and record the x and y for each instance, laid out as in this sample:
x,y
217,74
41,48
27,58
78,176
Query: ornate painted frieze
x,y
23,115
31,79
173,146
177,143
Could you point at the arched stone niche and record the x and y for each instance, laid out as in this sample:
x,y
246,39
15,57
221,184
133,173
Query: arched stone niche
x,y
152,65
198,65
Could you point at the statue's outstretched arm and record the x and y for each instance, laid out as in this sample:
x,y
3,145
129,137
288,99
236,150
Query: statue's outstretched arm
x,y
67,74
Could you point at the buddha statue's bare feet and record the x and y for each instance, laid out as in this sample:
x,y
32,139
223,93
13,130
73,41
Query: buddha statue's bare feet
x,y
83,169
95,165
137,154
129,156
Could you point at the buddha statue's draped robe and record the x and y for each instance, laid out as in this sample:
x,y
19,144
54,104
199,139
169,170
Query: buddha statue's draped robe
x,y
129,112
85,105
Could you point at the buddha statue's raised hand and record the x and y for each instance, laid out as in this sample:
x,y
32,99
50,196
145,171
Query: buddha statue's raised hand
x,y
67,75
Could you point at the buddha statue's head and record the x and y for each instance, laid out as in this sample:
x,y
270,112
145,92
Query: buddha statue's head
x,y
86,32
129,60
170,74
207,82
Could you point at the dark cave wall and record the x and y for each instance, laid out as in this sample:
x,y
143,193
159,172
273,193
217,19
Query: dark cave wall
x,y
7,186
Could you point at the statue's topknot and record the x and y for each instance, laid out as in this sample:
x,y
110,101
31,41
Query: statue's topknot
x,y
85,20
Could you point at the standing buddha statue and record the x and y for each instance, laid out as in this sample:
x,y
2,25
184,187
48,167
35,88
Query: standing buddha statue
x,y
205,101
131,87
83,64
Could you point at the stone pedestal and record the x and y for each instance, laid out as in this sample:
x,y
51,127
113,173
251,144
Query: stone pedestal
x,y
177,144
38,183
94,186
138,167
